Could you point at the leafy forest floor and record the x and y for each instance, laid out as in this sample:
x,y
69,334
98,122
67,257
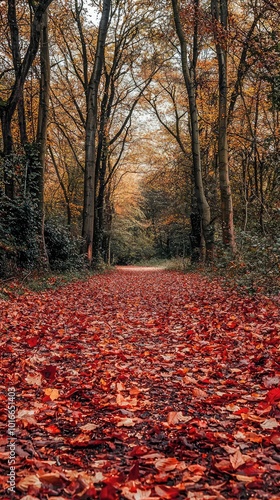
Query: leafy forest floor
x,y
143,384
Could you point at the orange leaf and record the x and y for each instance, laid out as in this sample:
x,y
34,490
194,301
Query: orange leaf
x,y
52,393
52,429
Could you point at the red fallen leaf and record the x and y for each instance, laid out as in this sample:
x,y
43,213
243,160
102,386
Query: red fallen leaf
x,y
52,429
138,451
275,438
199,393
53,478
72,391
231,325
166,464
73,488
167,491
134,472
273,395
71,460
49,372
108,493
257,484
263,408
242,410
80,440
196,469
162,477
252,470
32,341
223,466
89,493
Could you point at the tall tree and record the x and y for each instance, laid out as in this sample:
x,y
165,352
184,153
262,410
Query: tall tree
x,y
220,26
42,127
91,129
189,73
22,65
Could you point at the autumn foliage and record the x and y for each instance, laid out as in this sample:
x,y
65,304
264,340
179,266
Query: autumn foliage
x,y
142,385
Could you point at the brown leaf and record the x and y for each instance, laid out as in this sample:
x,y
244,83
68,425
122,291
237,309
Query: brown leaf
x,y
175,417
26,482
236,459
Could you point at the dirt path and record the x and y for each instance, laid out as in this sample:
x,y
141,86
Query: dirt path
x,y
140,384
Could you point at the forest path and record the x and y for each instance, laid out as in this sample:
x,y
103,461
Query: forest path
x,y
143,384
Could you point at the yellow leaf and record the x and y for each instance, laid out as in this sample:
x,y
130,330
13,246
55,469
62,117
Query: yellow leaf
x,y
52,393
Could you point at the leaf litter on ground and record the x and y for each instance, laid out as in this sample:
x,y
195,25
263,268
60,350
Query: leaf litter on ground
x,y
144,384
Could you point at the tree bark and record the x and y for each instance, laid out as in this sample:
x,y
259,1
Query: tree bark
x,y
91,129
189,78
42,129
220,22
21,68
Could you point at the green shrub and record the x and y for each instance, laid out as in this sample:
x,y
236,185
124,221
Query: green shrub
x,y
62,248
19,245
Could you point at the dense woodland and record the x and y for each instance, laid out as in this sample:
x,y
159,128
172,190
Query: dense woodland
x,y
138,129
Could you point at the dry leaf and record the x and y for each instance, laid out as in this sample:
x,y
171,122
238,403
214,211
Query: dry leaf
x,y
246,479
27,481
174,417
167,492
30,497
27,417
135,495
52,393
199,393
166,464
34,379
88,427
270,423
237,459
128,422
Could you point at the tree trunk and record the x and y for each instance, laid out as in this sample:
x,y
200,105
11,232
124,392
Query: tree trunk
x,y
42,130
220,17
63,189
91,128
9,180
189,77
21,69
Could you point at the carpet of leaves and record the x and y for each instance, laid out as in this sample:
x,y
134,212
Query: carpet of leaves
x,y
141,384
